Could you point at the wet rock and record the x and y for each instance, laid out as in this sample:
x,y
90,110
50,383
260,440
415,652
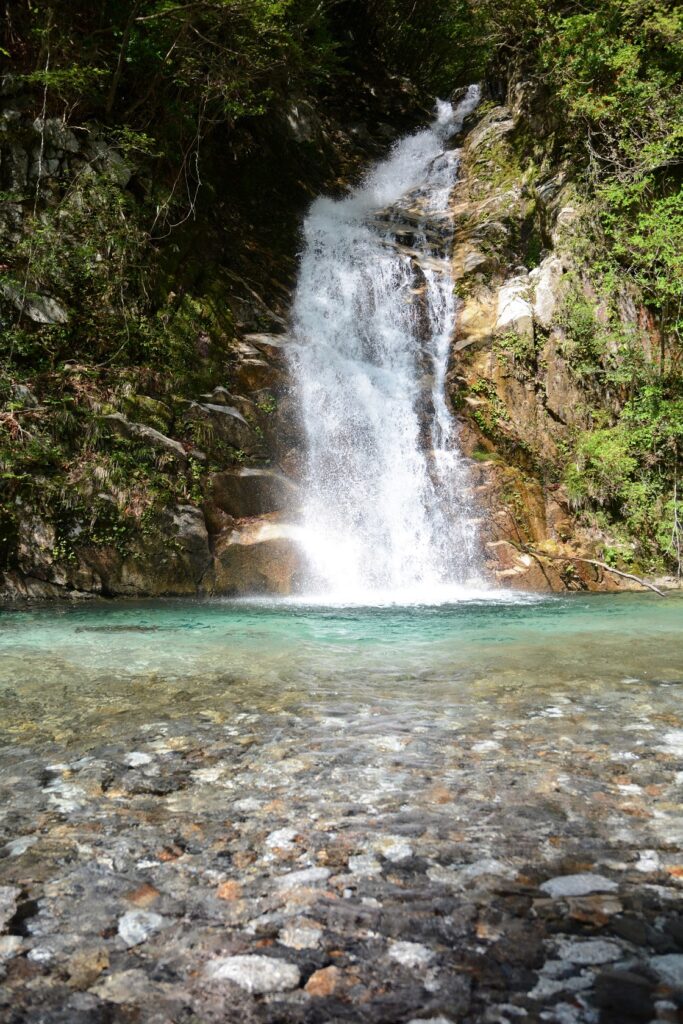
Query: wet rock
x,y
628,995
669,968
582,884
137,926
259,557
255,974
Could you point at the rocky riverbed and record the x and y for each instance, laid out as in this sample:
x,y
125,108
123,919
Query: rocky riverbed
x,y
503,849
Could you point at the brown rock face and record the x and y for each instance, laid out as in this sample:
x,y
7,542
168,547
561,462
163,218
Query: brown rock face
x,y
519,403
251,491
260,557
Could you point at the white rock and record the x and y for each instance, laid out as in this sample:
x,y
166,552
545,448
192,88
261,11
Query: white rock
x,y
41,954
514,308
549,290
398,852
669,968
247,804
300,936
10,945
309,876
546,988
589,951
137,925
672,742
256,974
410,954
365,865
648,860
582,884
282,838
136,759
461,877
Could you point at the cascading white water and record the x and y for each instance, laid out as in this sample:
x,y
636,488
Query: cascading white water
x,y
385,490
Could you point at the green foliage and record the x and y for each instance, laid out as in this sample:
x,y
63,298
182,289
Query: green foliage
x,y
584,338
518,349
632,469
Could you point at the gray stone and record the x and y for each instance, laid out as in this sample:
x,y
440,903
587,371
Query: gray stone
x,y
364,865
41,309
281,839
669,968
430,1020
10,945
56,135
256,974
589,951
138,925
308,876
136,759
411,954
124,987
300,935
582,884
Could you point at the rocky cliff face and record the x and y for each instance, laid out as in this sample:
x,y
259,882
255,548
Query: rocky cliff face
x,y
170,479
209,511
516,379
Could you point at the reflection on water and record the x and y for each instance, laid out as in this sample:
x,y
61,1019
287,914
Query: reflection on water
x,y
69,672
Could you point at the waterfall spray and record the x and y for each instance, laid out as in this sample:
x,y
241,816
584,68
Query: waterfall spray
x,y
386,508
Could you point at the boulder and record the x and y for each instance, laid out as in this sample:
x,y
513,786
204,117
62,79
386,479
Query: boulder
x,y
262,557
248,491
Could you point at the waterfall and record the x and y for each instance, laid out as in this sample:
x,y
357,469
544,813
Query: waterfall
x,y
386,508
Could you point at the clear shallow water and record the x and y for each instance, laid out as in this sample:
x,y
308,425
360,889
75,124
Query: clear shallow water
x,y
66,671
373,775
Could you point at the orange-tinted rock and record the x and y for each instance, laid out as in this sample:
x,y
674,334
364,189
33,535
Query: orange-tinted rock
x,y
230,890
324,982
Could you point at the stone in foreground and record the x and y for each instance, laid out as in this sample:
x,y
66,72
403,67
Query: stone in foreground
x,y
577,885
255,974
